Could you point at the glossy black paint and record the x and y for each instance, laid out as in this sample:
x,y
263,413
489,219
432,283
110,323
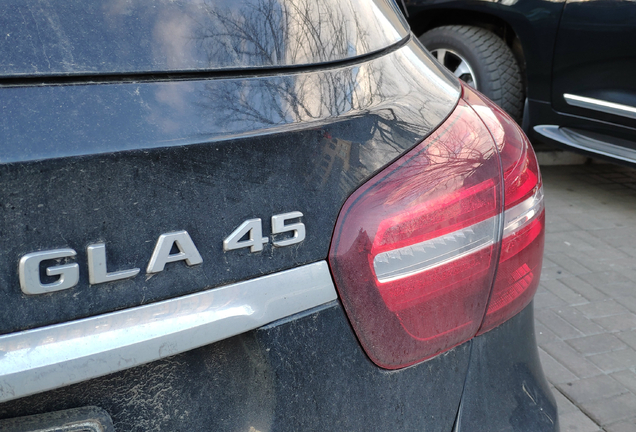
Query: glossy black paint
x,y
595,56
268,379
125,162
77,37
505,387
543,113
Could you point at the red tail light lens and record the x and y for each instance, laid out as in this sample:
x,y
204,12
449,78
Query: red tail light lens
x,y
524,217
415,249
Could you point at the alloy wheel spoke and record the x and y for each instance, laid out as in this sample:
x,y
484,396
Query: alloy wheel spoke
x,y
441,55
462,69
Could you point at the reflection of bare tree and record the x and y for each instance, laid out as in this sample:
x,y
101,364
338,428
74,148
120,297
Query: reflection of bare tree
x,y
291,32
451,179
459,155
272,32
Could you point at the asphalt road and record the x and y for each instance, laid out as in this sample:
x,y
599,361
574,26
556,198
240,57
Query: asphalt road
x,y
585,308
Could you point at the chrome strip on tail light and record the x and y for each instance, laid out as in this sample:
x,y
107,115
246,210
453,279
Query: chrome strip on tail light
x,y
523,213
410,260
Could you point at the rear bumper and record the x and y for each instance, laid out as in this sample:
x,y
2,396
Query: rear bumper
x,y
308,372
505,387
50,357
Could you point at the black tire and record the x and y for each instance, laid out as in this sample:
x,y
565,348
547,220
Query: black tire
x,y
492,63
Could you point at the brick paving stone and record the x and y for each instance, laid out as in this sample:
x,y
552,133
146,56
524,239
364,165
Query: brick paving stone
x,y
629,250
586,302
614,361
555,272
629,273
576,318
552,227
543,334
554,371
564,292
557,324
609,233
629,337
624,266
618,242
564,404
627,193
547,263
611,410
618,290
601,279
569,264
604,254
577,422
583,288
596,344
594,388
590,221
545,299
626,378
629,302
622,426
602,309
598,243
593,263
571,359
617,323
566,242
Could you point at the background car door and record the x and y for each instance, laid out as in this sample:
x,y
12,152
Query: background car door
x,y
594,64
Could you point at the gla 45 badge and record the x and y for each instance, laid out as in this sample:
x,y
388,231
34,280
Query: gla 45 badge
x,y
248,234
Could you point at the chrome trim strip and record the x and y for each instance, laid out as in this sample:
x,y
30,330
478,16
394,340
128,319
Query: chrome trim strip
x,y
42,359
523,213
600,105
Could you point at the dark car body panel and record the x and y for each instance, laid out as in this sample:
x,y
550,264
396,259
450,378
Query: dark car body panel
x,y
221,160
595,56
505,388
268,379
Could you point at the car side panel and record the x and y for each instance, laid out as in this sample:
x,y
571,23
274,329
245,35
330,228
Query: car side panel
x,y
595,57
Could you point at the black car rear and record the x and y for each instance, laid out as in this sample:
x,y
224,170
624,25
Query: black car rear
x,y
172,179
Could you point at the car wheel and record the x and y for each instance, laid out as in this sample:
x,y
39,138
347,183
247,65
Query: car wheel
x,y
482,60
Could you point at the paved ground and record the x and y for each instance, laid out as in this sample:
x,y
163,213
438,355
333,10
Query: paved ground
x,y
586,304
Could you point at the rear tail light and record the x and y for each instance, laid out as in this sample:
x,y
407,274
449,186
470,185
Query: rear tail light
x,y
416,249
523,234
